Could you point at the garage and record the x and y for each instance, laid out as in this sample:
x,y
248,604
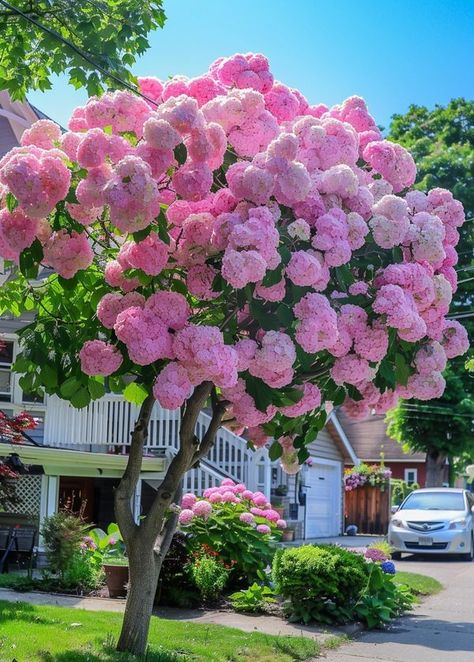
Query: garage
x,y
323,498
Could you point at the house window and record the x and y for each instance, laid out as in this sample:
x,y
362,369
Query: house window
x,y
411,476
6,360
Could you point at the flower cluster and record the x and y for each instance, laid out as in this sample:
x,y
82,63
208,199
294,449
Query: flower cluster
x,y
243,237
374,475
251,508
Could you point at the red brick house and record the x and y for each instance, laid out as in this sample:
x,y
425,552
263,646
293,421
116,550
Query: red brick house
x,y
369,440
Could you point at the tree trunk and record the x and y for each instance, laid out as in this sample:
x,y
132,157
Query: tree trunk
x,y
143,579
435,463
148,541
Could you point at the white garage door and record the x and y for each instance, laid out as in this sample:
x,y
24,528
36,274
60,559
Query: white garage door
x,y
323,500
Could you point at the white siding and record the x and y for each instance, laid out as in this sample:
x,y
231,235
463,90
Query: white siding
x,y
324,447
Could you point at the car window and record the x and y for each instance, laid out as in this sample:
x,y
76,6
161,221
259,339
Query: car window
x,y
435,501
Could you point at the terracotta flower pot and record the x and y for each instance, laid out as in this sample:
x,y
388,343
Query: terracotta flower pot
x,y
288,535
116,578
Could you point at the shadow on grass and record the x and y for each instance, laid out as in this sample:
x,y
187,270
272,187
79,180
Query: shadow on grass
x,y
107,653
22,611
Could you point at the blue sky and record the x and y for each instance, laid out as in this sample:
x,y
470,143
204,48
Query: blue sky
x,y
392,53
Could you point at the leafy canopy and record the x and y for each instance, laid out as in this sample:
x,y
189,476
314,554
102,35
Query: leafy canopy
x,y
442,142
110,33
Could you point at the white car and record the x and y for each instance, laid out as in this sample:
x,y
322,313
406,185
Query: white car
x,y
434,520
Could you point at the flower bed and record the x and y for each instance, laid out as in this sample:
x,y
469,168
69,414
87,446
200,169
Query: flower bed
x,y
239,525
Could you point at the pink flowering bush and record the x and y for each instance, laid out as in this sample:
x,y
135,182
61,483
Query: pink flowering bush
x,y
240,526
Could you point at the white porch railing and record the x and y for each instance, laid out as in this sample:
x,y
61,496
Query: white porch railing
x,y
110,420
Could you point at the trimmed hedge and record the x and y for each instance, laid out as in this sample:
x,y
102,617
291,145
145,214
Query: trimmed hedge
x,y
319,582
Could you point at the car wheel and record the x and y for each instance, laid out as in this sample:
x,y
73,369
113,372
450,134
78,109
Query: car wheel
x,y
469,556
396,556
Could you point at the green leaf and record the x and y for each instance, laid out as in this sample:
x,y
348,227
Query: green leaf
x,y
69,387
30,259
402,369
272,277
260,392
275,451
49,376
181,153
135,393
81,398
96,389
12,202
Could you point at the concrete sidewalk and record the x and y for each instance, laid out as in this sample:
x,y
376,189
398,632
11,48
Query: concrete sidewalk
x,y
439,630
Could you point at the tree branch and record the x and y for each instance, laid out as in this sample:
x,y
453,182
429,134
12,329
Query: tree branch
x,y
218,409
181,462
126,488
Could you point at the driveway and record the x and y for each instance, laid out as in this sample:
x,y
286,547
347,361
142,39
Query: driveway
x,y
441,629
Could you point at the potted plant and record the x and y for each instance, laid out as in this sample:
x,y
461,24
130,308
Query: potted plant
x,y
107,549
288,534
116,575
281,490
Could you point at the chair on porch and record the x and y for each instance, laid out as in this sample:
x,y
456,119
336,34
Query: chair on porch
x,y
17,545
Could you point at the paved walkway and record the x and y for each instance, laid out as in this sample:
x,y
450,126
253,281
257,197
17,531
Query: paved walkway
x,y
439,630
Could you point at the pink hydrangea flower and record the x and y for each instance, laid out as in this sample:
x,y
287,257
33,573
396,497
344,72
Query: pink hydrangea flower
x,y
99,358
188,500
202,509
247,518
172,386
68,253
17,230
186,516
263,529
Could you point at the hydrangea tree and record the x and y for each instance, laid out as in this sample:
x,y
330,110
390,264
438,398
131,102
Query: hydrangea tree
x,y
225,243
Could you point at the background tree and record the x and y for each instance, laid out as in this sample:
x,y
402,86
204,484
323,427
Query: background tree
x,y
443,429
94,42
219,247
442,143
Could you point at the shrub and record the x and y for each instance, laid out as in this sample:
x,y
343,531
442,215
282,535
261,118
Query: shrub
x,y
254,599
209,575
320,583
400,490
239,525
175,586
62,534
381,599
83,575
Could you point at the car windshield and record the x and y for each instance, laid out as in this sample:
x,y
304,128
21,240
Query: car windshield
x,y
434,501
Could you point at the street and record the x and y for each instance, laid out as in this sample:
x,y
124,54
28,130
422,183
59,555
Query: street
x,y
438,630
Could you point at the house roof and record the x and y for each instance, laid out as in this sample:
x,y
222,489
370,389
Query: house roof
x,y
369,438
15,117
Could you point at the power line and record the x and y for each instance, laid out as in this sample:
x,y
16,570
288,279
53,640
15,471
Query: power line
x,y
85,56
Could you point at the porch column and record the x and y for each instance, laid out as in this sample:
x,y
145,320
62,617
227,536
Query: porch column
x,y
49,500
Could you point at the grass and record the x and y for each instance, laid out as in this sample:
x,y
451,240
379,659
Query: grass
x,y
421,585
30,633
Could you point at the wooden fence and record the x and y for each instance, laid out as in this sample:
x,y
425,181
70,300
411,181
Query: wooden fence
x,y
369,509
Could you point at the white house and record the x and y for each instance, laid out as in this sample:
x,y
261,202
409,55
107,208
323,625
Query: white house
x,y
77,456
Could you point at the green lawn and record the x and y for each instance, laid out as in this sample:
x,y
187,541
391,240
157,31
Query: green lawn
x,y
419,584
29,633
